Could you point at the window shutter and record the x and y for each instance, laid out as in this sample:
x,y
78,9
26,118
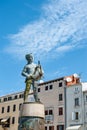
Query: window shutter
x,y
73,115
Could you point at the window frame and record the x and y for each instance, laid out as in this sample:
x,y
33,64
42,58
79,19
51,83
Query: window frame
x,y
60,84
76,115
50,86
39,90
13,120
50,112
60,97
76,101
60,111
46,88
46,112
14,108
8,108
3,110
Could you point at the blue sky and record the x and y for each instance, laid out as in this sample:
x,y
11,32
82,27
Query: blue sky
x,y
55,31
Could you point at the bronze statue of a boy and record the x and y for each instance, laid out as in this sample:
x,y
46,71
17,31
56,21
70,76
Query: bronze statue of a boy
x,y
33,72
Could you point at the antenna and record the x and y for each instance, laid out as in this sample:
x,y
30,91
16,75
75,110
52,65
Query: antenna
x,y
38,62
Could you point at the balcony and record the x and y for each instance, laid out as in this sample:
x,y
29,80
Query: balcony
x,y
49,118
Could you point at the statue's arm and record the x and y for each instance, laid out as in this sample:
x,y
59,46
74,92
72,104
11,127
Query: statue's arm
x,y
24,72
38,73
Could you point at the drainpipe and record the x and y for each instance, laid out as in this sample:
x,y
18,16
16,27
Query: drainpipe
x,y
65,118
83,111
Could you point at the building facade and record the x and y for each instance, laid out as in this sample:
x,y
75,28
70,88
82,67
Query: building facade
x,y
51,94
64,99
76,106
84,91
9,111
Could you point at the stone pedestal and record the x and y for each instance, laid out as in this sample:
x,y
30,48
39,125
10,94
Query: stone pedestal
x,y
31,109
31,114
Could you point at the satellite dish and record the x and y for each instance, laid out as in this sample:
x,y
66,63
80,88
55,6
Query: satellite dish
x,y
68,79
41,81
76,75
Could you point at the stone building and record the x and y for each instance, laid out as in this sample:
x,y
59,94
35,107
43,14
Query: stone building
x,y
51,94
9,111
60,98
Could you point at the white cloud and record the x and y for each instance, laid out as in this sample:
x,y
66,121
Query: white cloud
x,y
64,48
60,28
58,73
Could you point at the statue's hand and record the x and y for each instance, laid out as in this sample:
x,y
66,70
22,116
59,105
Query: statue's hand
x,y
30,77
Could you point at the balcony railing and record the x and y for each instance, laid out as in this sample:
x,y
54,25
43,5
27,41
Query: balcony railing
x,y
49,118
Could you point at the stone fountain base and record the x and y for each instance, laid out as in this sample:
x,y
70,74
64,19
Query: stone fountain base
x,y
32,116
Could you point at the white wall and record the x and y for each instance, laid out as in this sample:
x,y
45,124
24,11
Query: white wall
x,y
71,94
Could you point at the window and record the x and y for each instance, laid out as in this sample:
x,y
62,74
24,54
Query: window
x,y
76,90
14,107
20,106
46,87
8,108
60,111
60,84
46,112
9,98
13,120
45,127
15,96
5,99
60,97
21,96
50,112
51,87
2,109
86,98
76,115
76,101
60,127
38,89
86,114
51,127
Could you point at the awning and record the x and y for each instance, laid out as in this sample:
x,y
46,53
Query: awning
x,y
4,119
73,127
